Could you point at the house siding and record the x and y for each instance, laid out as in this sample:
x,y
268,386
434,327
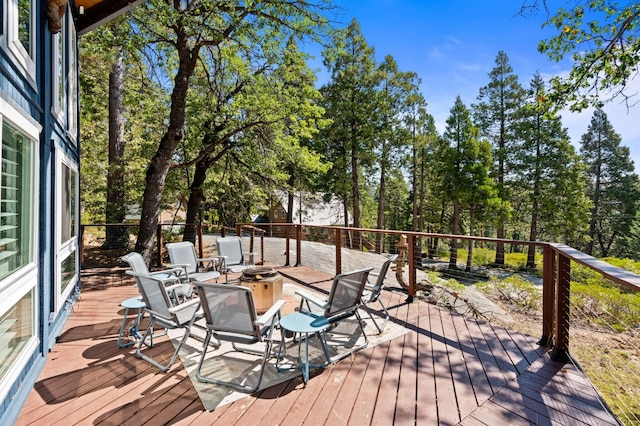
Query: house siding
x,y
33,99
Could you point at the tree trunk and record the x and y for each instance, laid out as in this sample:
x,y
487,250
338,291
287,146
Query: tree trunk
x,y
453,256
116,209
196,198
161,162
381,195
470,245
290,198
355,188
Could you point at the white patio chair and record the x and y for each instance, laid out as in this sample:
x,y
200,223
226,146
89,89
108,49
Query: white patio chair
x,y
371,293
164,312
183,255
231,316
343,302
168,276
234,259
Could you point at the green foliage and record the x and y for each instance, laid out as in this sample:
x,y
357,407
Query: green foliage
x,y
614,187
514,290
595,302
601,38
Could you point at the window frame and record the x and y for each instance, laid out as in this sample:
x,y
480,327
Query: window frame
x,y
24,279
25,58
70,247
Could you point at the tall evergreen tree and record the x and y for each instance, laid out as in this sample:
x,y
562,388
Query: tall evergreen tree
x,y
466,169
545,158
496,115
349,99
613,187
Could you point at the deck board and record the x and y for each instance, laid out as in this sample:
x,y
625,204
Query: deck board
x,y
448,369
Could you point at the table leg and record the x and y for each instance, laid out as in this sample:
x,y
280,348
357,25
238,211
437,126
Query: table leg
x,y
124,323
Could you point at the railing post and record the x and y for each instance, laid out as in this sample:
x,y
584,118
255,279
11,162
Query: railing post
x,y
338,244
298,245
548,294
563,283
159,239
287,231
200,241
412,266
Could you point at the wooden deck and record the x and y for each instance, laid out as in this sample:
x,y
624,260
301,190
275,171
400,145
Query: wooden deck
x,y
447,370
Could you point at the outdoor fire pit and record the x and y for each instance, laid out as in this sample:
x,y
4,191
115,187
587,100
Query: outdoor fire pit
x,y
265,284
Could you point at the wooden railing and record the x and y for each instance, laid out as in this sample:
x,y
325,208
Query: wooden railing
x,y
556,272
556,264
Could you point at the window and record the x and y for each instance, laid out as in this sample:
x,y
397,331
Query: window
x,y
275,213
17,334
16,201
21,34
72,78
58,85
67,241
18,218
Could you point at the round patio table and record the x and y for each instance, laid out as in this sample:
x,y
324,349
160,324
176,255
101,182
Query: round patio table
x,y
303,324
133,303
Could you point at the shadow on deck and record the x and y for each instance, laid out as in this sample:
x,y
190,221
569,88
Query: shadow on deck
x,y
448,369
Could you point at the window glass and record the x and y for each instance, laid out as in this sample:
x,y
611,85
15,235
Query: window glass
x,y
16,201
68,203
58,71
24,24
16,329
72,77
68,271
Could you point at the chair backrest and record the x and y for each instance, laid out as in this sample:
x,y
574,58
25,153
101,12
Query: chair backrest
x,y
183,253
154,294
136,262
383,271
232,248
228,309
346,292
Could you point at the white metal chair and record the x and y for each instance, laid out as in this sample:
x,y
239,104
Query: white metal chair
x,y
233,258
183,255
344,300
230,315
170,276
164,312
371,293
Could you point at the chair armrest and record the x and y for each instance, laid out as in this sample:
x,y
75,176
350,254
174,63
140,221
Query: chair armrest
x,y
183,306
267,317
186,312
374,274
310,298
173,287
179,265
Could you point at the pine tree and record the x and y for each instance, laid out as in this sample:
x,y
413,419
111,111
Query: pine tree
x,y
496,115
350,99
613,187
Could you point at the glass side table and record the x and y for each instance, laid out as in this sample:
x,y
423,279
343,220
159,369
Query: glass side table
x,y
303,324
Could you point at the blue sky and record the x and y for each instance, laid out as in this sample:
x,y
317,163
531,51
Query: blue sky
x,y
452,46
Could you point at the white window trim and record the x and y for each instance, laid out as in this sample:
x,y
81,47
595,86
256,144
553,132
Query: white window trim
x,y
25,58
32,129
70,247
57,109
18,284
7,300
72,97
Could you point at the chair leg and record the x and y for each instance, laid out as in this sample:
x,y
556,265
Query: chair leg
x,y
386,316
164,368
242,388
346,354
